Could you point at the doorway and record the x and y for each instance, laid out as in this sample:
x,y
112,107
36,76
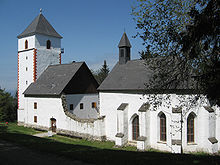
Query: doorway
x,y
53,124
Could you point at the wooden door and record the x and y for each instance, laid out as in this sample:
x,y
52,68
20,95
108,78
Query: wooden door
x,y
53,124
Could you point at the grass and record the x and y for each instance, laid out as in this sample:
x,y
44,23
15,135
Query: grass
x,y
97,152
84,142
14,128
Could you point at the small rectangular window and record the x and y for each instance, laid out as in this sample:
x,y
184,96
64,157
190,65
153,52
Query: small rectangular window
x,y
81,105
122,53
26,57
71,106
35,119
35,105
26,68
94,105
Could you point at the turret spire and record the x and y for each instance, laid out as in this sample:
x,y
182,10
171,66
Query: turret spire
x,y
124,49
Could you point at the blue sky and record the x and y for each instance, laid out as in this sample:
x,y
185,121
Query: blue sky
x,y
91,31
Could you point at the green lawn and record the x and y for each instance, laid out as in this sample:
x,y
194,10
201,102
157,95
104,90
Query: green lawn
x,y
97,152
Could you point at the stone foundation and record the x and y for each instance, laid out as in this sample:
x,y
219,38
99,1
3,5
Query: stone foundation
x,y
64,132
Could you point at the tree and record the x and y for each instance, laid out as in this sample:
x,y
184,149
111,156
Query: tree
x,y
102,73
8,109
184,34
200,43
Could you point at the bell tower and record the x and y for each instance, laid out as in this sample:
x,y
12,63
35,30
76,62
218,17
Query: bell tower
x,y
39,46
124,49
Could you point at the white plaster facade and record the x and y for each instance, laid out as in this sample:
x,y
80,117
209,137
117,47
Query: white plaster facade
x,y
46,57
48,108
87,112
33,61
120,122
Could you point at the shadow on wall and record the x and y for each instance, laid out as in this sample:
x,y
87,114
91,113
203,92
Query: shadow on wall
x,y
81,105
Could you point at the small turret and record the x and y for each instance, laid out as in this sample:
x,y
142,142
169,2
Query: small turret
x,y
124,49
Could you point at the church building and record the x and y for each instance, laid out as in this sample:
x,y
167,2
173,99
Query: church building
x,y
66,99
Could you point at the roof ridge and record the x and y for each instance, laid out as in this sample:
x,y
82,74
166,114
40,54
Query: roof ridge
x,y
38,21
68,63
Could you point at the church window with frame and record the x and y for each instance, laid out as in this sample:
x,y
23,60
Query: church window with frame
x,y
26,44
190,128
162,127
48,44
135,128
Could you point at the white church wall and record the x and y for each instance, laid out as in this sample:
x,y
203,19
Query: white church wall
x,y
28,68
217,112
48,108
25,73
155,141
21,116
109,102
86,99
41,42
31,43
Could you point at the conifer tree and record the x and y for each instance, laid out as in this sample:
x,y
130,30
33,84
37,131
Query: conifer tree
x,y
8,109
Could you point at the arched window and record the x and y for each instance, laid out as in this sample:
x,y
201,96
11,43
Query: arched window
x,y
48,44
26,44
163,136
190,128
135,128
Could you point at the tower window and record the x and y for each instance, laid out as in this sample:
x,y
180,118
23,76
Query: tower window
x,y
26,82
48,44
26,68
26,44
122,52
128,52
26,57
